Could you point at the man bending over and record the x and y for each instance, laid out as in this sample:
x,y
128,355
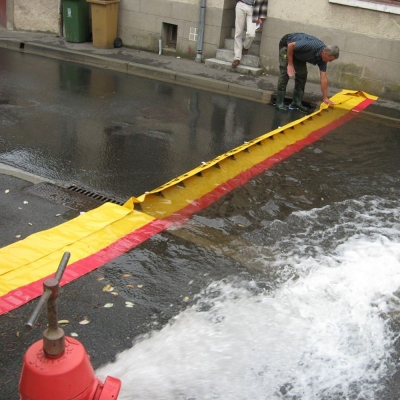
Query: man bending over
x,y
295,51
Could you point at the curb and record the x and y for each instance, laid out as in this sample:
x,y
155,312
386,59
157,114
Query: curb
x,y
20,174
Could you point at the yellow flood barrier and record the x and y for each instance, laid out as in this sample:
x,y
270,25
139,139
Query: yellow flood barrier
x,y
102,234
247,160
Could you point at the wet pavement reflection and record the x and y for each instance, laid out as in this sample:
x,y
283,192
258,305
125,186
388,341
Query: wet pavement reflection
x,y
112,133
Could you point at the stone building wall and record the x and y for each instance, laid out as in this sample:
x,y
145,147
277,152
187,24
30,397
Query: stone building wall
x,y
37,15
367,32
143,22
369,41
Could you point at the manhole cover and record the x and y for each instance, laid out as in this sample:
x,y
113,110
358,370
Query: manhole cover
x,y
162,113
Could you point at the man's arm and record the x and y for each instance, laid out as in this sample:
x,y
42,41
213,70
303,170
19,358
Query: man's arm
x,y
324,87
290,51
260,9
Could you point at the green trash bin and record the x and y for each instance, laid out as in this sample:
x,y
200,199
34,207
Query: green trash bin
x,y
76,20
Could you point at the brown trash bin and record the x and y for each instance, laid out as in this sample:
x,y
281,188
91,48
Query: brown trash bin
x,y
104,22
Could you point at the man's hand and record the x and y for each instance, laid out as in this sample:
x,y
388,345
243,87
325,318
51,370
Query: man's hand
x,y
328,101
290,70
324,88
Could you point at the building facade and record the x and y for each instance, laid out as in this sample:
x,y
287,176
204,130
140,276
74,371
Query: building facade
x,y
366,31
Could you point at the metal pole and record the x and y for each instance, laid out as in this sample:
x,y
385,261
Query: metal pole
x,y
53,336
60,18
200,36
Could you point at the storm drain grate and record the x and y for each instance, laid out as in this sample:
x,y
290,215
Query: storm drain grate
x,y
95,196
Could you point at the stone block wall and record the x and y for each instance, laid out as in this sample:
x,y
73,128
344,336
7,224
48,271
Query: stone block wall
x,y
143,22
37,15
369,42
369,39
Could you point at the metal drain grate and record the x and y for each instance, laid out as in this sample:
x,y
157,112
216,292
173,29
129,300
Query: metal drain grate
x,y
94,196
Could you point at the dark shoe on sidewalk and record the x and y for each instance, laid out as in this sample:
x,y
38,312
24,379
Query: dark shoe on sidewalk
x,y
245,51
235,63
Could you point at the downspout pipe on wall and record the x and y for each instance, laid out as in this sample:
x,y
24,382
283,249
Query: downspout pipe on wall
x,y
60,19
202,21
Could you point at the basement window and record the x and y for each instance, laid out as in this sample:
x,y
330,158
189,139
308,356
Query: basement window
x,y
170,35
388,6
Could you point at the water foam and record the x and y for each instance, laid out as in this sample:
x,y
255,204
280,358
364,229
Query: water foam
x,y
324,334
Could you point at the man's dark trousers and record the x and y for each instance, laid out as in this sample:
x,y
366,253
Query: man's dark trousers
x,y
299,66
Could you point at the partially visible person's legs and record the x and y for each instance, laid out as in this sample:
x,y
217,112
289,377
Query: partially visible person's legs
x,y
283,79
242,11
250,31
299,86
301,75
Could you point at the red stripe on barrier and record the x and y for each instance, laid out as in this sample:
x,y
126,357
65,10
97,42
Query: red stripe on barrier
x,y
362,105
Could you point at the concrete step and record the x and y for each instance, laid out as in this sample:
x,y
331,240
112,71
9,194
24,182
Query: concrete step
x,y
249,64
254,48
257,38
228,55
227,66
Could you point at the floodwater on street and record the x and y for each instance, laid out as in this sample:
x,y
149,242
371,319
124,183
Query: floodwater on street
x,y
285,288
293,283
113,133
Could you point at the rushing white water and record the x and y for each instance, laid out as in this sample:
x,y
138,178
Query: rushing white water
x,y
324,334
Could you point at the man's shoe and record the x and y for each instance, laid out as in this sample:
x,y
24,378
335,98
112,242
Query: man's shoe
x,y
296,102
280,100
245,51
235,63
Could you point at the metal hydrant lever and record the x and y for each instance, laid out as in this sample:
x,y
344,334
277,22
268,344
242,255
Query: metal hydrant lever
x,y
53,336
58,367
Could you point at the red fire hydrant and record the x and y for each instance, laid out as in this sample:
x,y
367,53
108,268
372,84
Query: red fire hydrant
x,y
58,367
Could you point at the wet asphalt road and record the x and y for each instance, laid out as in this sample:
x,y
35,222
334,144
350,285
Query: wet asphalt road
x,y
229,241
111,133
116,135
